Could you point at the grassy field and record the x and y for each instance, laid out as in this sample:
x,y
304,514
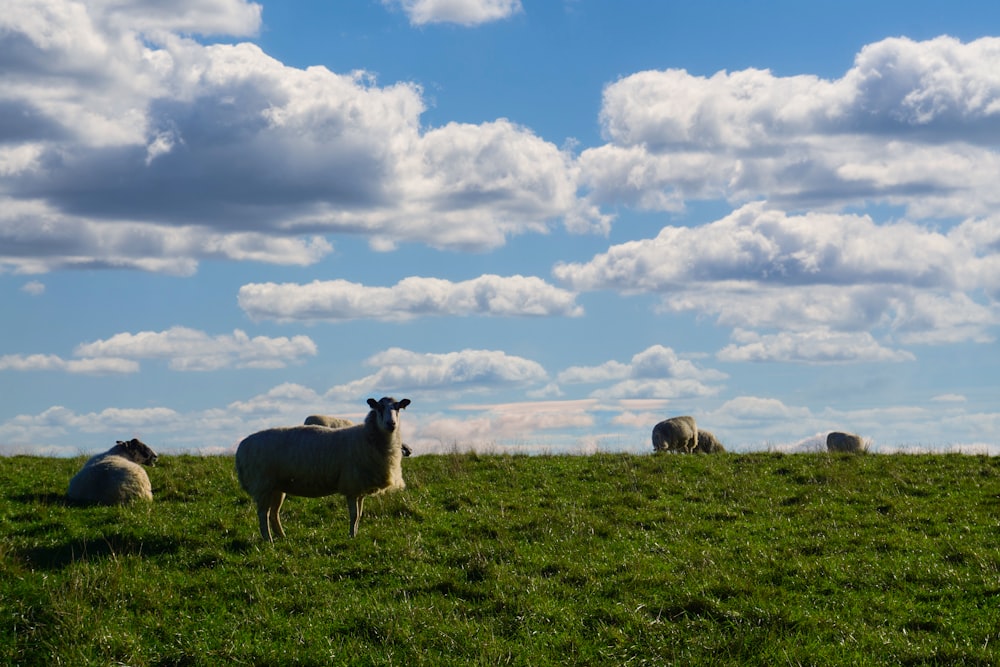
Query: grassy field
x,y
749,559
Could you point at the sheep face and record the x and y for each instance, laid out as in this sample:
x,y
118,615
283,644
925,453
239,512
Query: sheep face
x,y
138,451
387,412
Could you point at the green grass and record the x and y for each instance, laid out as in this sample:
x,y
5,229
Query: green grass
x,y
755,559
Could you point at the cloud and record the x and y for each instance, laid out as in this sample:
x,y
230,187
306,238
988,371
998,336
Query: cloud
x,y
334,300
34,288
817,346
463,12
144,149
655,372
191,350
402,370
52,362
911,124
763,268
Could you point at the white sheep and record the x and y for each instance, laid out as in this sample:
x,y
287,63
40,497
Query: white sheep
x,y
837,441
340,422
114,477
708,443
677,434
328,421
314,461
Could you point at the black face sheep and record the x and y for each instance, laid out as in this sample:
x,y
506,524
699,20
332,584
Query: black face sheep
x,y
340,422
677,434
114,477
844,442
708,443
313,461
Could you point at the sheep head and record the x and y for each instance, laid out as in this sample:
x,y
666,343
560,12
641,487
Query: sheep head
x,y
387,412
138,451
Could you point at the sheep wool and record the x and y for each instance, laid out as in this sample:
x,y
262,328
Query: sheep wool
x,y
328,421
708,443
677,434
844,442
313,461
114,477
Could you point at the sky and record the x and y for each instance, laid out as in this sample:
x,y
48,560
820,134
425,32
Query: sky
x,y
550,225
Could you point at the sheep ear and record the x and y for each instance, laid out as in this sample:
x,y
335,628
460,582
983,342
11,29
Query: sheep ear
x,y
402,404
372,403
120,442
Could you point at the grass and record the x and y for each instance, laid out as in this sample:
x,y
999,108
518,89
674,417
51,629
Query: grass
x,y
755,559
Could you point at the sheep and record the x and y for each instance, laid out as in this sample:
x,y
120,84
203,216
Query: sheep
x,y
313,461
340,422
327,421
837,441
677,434
114,477
708,443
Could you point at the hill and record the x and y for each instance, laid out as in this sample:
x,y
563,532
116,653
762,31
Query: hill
x,y
754,559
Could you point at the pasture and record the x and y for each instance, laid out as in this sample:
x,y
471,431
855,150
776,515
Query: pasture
x,y
610,559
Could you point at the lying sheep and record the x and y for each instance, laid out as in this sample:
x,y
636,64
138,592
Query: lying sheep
x,y
114,477
708,443
314,461
340,422
677,434
837,441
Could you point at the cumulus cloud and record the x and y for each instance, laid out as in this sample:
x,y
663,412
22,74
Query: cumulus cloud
x,y
34,288
911,123
191,350
402,370
332,300
817,346
143,149
656,372
463,12
761,268
52,362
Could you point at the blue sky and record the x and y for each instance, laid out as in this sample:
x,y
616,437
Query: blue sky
x,y
550,225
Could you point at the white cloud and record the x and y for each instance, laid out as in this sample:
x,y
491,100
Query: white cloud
x,y
34,288
146,150
191,350
463,12
52,362
490,295
402,370
656,372
910,124
762,268
818,346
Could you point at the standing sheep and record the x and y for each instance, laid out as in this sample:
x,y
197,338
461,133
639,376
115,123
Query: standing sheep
x,y
677,434
708,443
314,461
114,477
340,422
837,441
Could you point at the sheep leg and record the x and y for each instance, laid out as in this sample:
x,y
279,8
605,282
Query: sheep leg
x,y
262,509
276,501
355,505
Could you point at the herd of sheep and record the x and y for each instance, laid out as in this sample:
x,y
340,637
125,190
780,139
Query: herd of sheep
x,y
331,455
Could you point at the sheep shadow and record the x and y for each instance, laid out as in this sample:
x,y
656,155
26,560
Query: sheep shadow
x,y
110,547
50,499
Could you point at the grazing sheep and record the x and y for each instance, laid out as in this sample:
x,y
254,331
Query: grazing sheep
x,y
708,443
314,461
844,442
340,422
114,477
677,434
327,421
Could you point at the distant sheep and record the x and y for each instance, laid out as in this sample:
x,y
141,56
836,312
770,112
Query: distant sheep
x,y
328,421
708,443
844,442
114,477
677,434
339,422
314,461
